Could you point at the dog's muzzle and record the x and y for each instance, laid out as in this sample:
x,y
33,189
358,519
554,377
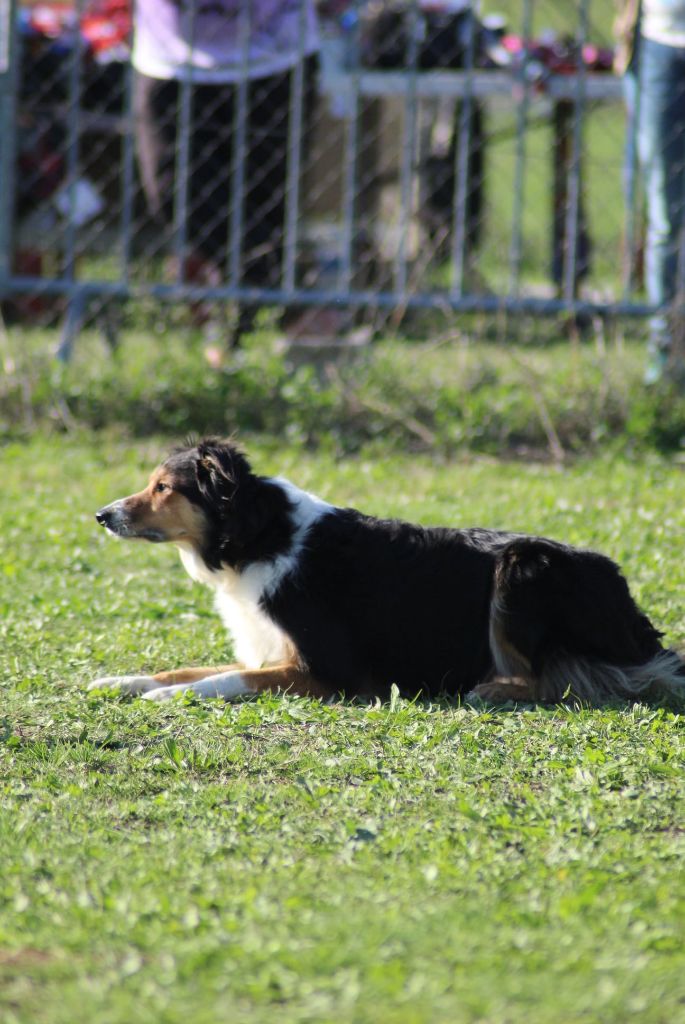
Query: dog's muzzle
x,y
104,516
116,520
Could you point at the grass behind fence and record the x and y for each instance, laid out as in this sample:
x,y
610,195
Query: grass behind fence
x,y
545,397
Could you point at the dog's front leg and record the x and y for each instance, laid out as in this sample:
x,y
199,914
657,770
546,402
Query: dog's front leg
x,y
243,682
136,685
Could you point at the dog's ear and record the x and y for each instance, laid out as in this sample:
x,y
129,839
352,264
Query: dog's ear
x,y
250,514
220,469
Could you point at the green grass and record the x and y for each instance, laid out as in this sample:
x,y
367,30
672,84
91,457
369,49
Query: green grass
x,y
542,395
281,860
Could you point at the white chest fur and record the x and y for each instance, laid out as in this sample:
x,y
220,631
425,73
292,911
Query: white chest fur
x,y
258,639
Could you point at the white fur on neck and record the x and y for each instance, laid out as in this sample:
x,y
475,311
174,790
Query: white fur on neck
x,y
257,639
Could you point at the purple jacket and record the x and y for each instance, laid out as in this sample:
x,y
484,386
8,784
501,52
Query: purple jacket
x,y
215,40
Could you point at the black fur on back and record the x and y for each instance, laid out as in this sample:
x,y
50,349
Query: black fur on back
x,y
376,602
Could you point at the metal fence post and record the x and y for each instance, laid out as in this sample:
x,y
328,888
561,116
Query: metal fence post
x,y
572,261
8,102
461,175
294,159
408,156
523,106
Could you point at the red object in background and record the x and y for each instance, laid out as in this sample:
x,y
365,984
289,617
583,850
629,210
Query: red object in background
x,y
28,262
559,56
29,308
107,25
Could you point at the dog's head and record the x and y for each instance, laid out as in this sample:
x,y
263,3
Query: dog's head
x,y
204,496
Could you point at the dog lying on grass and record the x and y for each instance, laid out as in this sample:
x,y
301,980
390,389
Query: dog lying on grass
x,y
324,601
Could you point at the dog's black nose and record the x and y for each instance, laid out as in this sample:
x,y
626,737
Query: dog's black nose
x,y
102,516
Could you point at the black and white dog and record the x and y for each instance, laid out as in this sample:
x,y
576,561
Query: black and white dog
x,y
324,601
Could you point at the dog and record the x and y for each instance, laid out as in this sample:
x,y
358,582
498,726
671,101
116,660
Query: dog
x,y
324,601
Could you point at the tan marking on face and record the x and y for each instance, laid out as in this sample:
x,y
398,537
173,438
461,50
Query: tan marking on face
x,y
165,510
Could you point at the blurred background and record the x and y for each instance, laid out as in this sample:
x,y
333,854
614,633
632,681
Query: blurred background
x,y
434,155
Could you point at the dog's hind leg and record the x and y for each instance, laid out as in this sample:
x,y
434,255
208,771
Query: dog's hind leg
x,y
502,689
513,678
564,621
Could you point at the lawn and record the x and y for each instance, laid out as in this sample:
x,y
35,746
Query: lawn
x,y
281,860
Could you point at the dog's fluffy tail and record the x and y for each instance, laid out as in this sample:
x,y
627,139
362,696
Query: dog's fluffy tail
x,y
662,678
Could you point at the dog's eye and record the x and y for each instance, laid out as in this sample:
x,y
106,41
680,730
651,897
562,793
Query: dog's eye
x,y
160,487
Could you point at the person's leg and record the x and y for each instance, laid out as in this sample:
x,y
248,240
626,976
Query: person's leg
x,y
633,250
209,192
154,110
266,180
155,105
661,144
266,184
207,200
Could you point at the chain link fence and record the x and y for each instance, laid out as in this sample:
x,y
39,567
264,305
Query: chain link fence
x,y
407,156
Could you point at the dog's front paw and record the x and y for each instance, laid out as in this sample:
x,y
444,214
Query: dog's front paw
x,y
129,685
160,693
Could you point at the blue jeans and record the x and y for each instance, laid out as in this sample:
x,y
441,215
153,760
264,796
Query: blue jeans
x,y
661,149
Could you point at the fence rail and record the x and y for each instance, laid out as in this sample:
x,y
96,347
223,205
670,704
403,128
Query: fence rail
x,y
414,161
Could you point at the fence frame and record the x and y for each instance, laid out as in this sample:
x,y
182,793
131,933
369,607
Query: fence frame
x,y
410,85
